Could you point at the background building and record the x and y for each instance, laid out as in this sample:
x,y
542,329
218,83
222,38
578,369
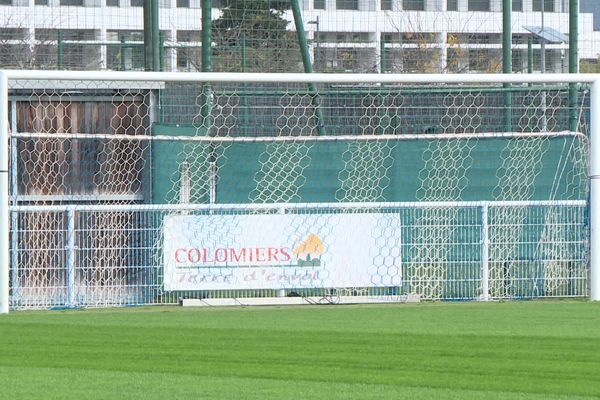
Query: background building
x,y
345,35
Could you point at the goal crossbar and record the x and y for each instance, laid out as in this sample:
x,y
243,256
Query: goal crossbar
x,y
345,79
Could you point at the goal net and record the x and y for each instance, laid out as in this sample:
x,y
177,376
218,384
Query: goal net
x,y
145,189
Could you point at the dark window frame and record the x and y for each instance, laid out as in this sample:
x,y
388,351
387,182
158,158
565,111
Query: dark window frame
x,y
479,5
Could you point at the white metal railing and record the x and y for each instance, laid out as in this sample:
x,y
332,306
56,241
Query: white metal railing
x,y
286,207
352,79
324,138
72,253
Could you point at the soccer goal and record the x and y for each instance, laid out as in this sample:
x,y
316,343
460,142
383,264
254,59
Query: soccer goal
x,y
155,188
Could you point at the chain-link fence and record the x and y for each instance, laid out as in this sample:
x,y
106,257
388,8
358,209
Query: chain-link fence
x,y
403,36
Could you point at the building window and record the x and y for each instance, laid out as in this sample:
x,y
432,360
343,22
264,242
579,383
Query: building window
x,y
137,3
14,34
517,5
183,3
74,54
479,60
548,5
319,5
125,57
479,5
5,2
78,3
452,5
189,58
346,4
518,60
386,5
112,3
413,5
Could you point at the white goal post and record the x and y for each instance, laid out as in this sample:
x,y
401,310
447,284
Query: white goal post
x,y
341,80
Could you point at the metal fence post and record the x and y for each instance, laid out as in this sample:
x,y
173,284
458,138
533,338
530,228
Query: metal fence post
x,y
14,193
507,61
71,248
4,203
595,192
485,243
14,254
573,63
122,53
59,50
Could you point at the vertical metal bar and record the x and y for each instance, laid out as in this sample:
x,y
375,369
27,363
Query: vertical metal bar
x,y
14,192
59,50
206,35
573,62
14,253
122,53
530,55
148,47
213,182
70,256
382,112
301,34
243,53
206,98
543,67
542,40
4,203
507,61
318,44
382,53
308,68
206,62
244,110
161,51
14,189
485,244
155,111
595,193
155,36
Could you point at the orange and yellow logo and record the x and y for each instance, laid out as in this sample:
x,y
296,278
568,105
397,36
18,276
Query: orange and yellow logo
x,y
308,253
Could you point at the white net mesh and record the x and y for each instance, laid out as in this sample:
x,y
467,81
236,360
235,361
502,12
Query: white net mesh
x,y
374,191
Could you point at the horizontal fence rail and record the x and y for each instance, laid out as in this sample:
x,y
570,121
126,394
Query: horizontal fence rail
x,y
286,207
326,138
39,75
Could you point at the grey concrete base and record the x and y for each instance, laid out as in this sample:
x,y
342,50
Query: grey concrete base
x,y
290,301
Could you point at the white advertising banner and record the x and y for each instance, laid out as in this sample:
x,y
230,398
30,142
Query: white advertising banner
x,y
275,251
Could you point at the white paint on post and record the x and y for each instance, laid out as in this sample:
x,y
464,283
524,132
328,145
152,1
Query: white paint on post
x,y
595,192
4,205
485,243
71,249
14,191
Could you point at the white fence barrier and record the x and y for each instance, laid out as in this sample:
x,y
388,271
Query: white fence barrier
x,y
92,268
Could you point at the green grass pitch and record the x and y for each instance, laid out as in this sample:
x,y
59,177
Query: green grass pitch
x,y
513,350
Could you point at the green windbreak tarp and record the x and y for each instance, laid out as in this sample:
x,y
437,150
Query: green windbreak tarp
x,y
401,166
